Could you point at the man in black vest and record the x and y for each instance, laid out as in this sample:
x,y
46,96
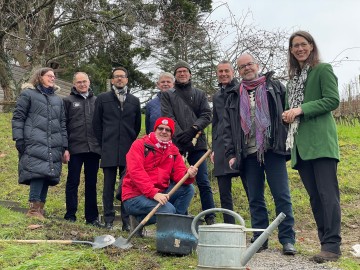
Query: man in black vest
x,y
190,110
117,123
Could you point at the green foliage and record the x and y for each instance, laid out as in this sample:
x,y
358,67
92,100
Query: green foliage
x,y
143,255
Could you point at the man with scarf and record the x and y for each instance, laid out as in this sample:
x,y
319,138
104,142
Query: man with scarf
x,y
254,137
154,166
116,123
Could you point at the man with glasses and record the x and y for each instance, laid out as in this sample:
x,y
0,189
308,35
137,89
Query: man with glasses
x,y
154,166
83,149
254,138
191,112
117,123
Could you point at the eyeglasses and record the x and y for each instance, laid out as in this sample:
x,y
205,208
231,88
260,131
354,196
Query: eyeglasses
x,y
50,76
119,76
163,128
250,64
298,45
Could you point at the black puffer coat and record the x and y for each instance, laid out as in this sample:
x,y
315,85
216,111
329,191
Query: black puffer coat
x,y
233,134
79,115
39,120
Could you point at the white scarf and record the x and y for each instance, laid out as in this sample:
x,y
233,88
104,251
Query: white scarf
x,y
295,99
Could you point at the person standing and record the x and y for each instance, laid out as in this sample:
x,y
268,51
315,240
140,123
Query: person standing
x,y
39,132
83,149
312,95
153,107
222,171
254,137
116,123
190,110
154,166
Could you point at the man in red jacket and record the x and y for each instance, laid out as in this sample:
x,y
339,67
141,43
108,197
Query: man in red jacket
x,y
153,166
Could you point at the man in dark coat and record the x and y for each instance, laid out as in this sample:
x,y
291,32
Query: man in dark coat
x,y
83,148
222,171
117,123
254,138
190,110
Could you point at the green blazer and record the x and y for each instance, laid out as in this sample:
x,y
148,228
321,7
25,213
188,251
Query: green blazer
x,y
317,135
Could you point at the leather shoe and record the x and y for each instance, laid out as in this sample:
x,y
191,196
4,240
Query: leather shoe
x,y
108,225
126,227
289,249
210,220
325,256
95,223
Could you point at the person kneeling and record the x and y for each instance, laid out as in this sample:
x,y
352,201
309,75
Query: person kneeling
x,y
153,167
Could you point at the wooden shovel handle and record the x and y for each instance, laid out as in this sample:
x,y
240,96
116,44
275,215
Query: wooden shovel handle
x,y
176,187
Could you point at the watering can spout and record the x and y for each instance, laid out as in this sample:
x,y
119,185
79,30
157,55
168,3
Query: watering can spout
x,y
252,249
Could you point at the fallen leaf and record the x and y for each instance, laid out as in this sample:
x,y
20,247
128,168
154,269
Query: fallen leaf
x,y
2,155
35,226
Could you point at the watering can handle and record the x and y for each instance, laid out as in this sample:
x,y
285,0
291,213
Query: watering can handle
x,y
208,211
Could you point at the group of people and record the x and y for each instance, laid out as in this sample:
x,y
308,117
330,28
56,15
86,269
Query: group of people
x,y
258,124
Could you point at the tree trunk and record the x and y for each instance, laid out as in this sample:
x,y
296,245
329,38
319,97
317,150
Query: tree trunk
x,y
5,73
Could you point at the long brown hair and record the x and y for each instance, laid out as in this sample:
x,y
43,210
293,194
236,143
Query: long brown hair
x,y
36,77
312,60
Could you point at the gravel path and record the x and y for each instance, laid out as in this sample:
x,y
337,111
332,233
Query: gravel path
x,y
273,259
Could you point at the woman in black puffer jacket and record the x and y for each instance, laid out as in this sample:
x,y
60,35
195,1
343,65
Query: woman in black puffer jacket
x,y
39,129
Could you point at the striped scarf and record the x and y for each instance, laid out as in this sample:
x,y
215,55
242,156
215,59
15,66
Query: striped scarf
x,y
262,114
295,99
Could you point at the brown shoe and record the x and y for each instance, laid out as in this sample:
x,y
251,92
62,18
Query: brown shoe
x,y
325,256
34,211
42,211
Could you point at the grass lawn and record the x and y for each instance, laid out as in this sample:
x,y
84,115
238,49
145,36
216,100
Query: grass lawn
x,y
143,255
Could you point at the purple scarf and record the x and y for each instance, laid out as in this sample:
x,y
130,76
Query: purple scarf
x,y
262,114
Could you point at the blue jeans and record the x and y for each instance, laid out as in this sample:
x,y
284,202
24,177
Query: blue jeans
x,y
38,190
202,180
274,167
91,167
178,203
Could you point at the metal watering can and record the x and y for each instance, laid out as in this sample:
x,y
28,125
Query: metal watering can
x,y
223,246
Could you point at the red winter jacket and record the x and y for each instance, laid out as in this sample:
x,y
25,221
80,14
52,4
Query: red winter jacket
x,y
149,171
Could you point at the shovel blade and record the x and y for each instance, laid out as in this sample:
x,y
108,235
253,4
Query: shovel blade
x,y
122,243
103,241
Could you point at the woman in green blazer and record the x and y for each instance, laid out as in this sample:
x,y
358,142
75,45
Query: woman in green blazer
x,y
312,95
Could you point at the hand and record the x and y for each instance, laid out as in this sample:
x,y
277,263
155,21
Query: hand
x,y
66,157
192,171
20,146
231,163
212,157
289,115
187,135
161,198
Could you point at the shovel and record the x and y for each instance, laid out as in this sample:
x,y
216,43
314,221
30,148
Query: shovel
x,y
124,243
99,242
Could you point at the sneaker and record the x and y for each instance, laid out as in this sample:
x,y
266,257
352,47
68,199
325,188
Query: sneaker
x,y
95,223
108,225
325,256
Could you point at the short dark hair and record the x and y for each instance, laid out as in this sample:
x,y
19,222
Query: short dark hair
x,y
119,68
312,60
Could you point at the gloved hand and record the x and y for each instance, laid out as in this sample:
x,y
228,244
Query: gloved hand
x,y
187,135
20,146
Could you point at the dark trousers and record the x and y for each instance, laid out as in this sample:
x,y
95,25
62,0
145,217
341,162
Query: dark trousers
x,y
320,180
91,167
202,181
226,201
110,174
274,167
38,190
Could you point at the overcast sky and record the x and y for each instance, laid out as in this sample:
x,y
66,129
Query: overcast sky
x,y
334,24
